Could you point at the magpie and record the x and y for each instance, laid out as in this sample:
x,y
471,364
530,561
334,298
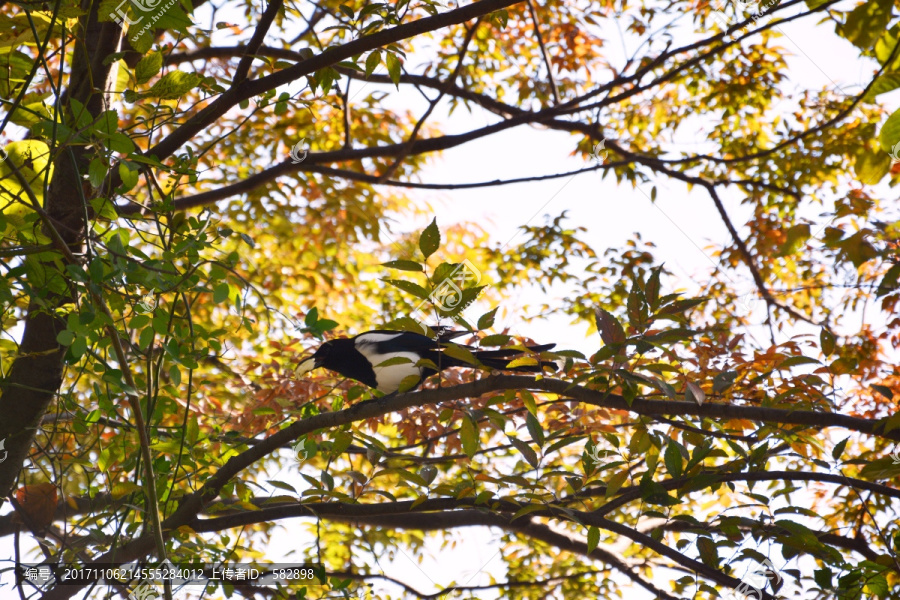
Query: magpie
x,y
359,357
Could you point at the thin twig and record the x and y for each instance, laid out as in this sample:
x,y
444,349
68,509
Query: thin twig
x,y
544,53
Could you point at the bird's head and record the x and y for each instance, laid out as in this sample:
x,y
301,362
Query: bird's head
x,y
318,359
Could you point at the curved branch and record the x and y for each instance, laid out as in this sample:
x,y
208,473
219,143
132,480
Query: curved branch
x,y
709,478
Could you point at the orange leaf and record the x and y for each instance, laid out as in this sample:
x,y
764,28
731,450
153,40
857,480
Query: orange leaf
x,y
38,503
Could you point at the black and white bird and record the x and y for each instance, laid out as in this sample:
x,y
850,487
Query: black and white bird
x,y
359,357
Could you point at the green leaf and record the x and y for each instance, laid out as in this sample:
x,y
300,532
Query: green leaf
x,y
651,289
524,361
723,381
793,361
881,389
889,282
408,383
673,459
397,360
796,238
146,338
534,428
393,67
839,449
173,85
372,62
282,485
404,265
449,303
468,435
884,84
709,554
526,451
14,68
889,138
221,292
408,324
500,18
614,483
78,347
593,538
106,123
857,248
129,177
494,340
148,67
486,321
611,331
341,442
529,401
680,306
409,287
460,353
430,240
526,510
119,142
866,23
694,393
827,341
428,473
97,172
65,337
167,16
311,317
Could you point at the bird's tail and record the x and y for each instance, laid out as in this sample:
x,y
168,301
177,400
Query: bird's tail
x,y
499,359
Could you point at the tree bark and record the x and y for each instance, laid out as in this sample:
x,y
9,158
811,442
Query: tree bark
x,y
37,371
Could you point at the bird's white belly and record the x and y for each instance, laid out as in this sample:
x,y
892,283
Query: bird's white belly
x,y
390,377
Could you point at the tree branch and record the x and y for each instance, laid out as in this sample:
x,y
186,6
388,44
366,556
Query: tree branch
x,y
259,36
250,88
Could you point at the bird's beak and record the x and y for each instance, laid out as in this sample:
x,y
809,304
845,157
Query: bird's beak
x,y
305,367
